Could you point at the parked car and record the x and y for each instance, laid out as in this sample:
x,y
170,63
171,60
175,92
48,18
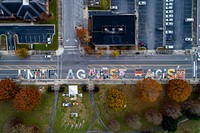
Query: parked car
x,y
198,57
188,39
169,23
47,56
48,39
189,19
169,4
159,29
169,46
142,3
169,20
169,7
168,32
169,16
113,7
169,0
169,11
67,104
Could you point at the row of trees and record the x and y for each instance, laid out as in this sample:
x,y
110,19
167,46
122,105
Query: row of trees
x,y
25,99
168,116
149,90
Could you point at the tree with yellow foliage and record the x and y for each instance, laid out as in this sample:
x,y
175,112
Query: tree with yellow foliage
x,y
178,90
116,99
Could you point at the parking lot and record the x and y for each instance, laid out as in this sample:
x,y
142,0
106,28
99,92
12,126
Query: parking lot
x,y
27,33
149,20
124,6
181,29
165,24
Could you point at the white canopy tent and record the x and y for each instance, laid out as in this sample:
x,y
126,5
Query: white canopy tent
x,y
73,90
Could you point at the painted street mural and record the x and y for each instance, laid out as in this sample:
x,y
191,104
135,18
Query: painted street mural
x,y
105,73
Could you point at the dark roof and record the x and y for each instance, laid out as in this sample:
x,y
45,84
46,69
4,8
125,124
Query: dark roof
x,y
16,7
116,30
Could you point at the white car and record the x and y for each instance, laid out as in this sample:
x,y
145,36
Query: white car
x,y
48,39
169,4
168,32
169,7
198,58
169,19
169,46
113,7
169,0
169,23
169,11
169,16
142,3
188,39
47,56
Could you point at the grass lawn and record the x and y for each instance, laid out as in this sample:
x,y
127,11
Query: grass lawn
x,y
104,5
134,106
39,117
84,110
26,46
3,42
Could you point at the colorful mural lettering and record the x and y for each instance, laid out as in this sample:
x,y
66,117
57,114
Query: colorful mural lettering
x,y
105,73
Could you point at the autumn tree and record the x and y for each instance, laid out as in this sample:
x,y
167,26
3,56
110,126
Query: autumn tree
x,y
191,108
21,53
88,49
171,109
114,125
148,89
169,124
178,90
82,34
153,116
133,121
27,99
8,89
17,126
116,99
115,53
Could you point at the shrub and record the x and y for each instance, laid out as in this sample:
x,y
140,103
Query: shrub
x,y
153,116
114,125
96,88
62,89
84,88
133,121
169,124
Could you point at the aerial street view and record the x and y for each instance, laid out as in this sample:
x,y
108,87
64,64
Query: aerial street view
x,y
101,66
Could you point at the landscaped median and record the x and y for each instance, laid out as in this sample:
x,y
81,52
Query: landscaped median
x,y
144,106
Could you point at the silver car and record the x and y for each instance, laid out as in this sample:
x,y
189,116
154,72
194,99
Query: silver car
x,y
169,16
169,23
169,7
169,20
169,11
168,32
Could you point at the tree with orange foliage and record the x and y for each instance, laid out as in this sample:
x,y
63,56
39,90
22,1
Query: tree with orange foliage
x,y
27,99
178,90
8,89
148,90
116,99
82,34
88,49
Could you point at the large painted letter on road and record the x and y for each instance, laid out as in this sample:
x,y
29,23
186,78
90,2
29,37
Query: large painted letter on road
x,y
170,74
82,75
112,74
70,74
